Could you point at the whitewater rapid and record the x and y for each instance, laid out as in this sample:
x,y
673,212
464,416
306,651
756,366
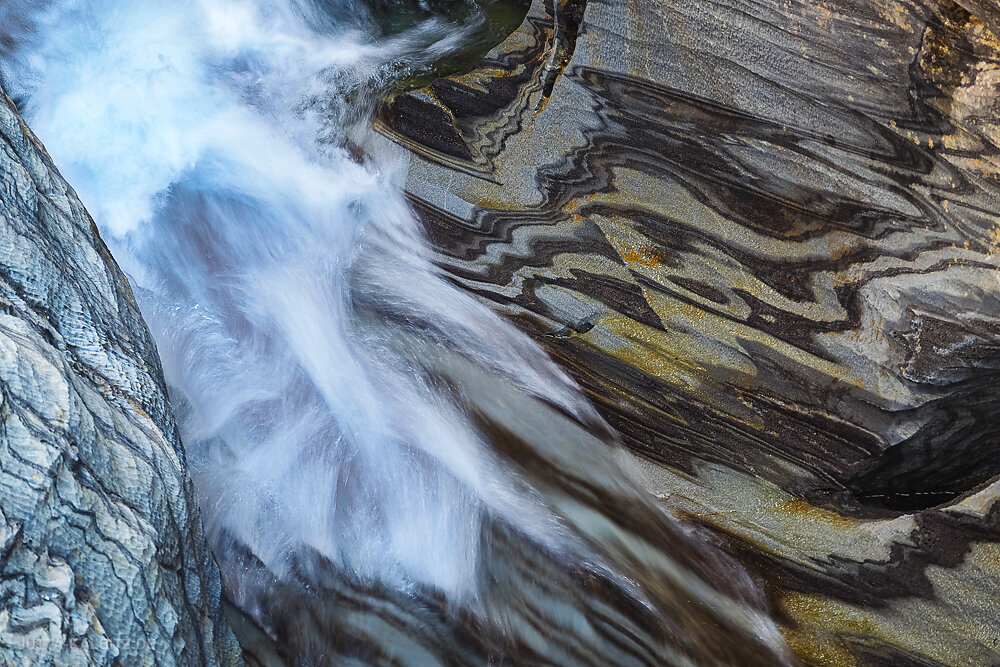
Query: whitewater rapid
x,y
345,410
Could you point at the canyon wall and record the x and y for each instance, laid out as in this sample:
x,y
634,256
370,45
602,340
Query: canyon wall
x,y
764,238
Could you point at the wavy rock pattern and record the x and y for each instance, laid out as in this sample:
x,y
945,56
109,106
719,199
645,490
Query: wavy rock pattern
x,y
646,592
102,555
764,237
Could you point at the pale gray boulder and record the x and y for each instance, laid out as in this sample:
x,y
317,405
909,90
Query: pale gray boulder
x,y
102,552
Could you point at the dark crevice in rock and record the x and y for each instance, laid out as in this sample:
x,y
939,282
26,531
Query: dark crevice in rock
x,y
568,15
421,120
953,454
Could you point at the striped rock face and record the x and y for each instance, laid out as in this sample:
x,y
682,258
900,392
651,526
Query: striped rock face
x,y
102,555
765,239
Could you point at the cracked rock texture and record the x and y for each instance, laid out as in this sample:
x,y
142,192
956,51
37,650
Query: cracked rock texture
x,y
102,555
764,237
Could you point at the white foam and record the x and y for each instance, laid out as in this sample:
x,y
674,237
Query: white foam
x,y
189,129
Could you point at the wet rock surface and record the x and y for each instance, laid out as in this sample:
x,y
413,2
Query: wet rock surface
x,y
764,238
102,555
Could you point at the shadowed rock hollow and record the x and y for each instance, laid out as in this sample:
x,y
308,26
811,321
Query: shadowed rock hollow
x,y
763,236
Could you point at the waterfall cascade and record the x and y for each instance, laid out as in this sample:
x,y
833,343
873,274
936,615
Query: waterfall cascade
x,y
387,468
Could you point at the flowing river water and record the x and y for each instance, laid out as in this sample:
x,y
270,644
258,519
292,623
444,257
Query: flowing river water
x,y
388,471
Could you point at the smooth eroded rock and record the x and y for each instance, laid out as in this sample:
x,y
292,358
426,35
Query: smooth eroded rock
x,y
102,555
764,239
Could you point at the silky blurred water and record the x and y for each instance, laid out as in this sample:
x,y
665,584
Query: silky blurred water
x,y
306,337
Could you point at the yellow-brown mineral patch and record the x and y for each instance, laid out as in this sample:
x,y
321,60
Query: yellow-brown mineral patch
x,y
643,255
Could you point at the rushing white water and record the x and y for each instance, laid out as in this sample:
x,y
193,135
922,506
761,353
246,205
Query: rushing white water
x,y
206,137
187,130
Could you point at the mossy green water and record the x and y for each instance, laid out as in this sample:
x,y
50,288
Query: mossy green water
x,y
487,22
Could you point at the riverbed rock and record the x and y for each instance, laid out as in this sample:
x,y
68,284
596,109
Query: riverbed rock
x,y
764,237
102,555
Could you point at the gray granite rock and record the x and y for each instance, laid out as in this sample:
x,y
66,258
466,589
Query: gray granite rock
x,y
102,555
